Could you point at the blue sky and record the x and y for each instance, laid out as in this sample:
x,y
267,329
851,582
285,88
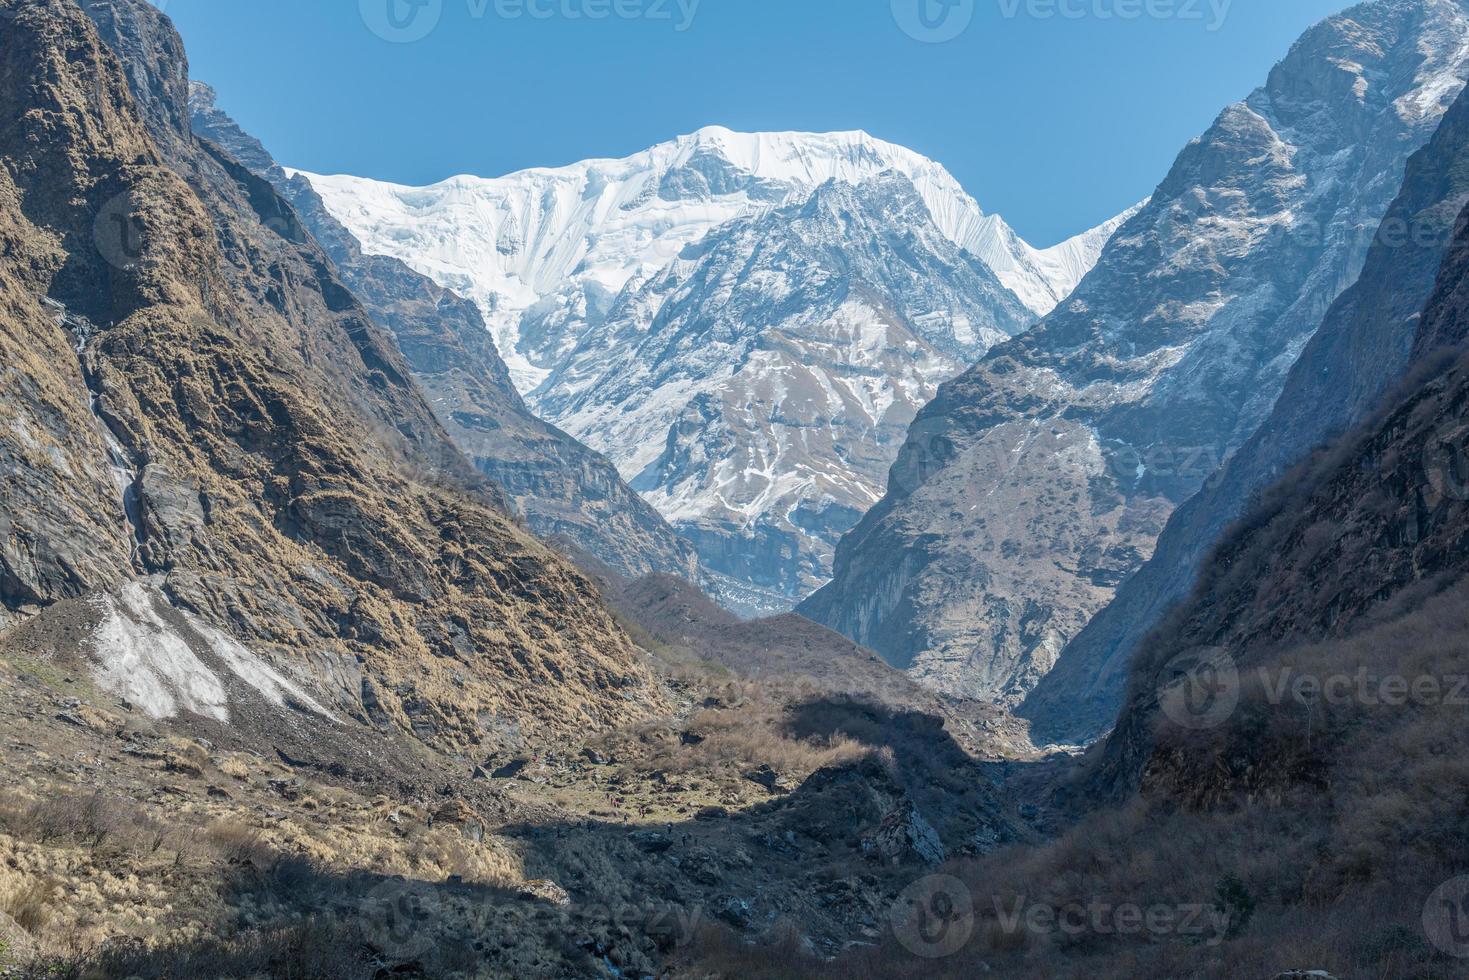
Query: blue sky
x,y
1055,121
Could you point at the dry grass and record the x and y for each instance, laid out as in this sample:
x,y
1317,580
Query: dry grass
x,y
94,822
747,726
28,901
320,949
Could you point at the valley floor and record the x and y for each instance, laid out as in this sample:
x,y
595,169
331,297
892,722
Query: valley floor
x,y
765,828
189,849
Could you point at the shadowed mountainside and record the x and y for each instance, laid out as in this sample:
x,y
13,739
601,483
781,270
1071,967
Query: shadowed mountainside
x,y
1360,351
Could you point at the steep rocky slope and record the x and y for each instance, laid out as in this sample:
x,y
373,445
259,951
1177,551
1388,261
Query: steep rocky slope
x,y
560,487
1037,482
756,390
209,441
1362,347
1371,530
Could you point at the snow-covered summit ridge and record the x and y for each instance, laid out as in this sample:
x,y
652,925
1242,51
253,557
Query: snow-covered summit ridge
x,y
545,251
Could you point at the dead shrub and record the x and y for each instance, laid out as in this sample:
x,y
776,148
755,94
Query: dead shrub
x,y
94,822
238,843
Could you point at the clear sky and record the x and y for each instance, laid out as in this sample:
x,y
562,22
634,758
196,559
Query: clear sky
x,y
1054,113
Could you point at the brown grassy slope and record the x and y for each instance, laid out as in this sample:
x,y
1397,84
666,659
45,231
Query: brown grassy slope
x,y
272,432
799,659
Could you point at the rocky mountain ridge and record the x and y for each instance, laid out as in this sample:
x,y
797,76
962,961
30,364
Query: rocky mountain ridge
x,y
202,422
1361,350
560,487
1037,482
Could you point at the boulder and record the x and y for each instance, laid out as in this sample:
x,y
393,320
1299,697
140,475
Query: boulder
x,y
544,890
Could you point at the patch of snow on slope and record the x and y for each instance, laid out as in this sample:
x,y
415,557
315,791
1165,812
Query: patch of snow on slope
x,y
140,656
253,671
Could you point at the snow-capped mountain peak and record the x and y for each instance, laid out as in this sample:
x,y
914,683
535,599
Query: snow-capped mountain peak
x,y
757,390
745,323
545,251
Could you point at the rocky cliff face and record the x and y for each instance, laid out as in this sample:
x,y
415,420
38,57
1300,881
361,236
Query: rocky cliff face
x,y
1362,347
197,407
1037,482
1370,531
560,487
756,390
